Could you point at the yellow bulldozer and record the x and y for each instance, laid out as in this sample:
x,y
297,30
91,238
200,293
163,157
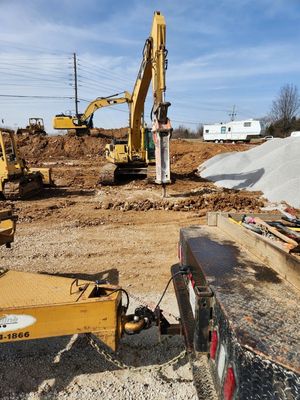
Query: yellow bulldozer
x,y
35,127
17,181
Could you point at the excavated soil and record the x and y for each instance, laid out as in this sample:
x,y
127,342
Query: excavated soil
x,y
126,234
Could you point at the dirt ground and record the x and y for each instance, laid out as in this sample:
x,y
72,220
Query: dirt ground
x,y
126,234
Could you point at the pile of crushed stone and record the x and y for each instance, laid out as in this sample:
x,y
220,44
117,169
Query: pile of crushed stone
x,y
272,168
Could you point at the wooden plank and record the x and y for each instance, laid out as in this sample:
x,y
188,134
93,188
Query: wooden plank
x,y
275,232
286,265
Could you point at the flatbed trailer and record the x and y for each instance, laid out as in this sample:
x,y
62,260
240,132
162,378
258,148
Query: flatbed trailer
x,y
238,297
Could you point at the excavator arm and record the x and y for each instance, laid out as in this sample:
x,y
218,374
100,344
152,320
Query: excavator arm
x,y
82,122
161,126
104,102
153,67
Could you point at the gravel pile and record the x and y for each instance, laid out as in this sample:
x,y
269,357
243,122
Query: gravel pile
x,y
272,168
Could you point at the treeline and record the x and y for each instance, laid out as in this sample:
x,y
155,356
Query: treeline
x,y
284,112
282,128
182,132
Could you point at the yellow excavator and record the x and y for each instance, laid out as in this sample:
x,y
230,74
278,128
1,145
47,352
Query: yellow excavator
x,y
17,181
143,146
132,156
82,123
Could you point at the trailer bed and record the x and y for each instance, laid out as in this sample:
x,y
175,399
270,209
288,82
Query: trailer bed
x,y
263,309
249,306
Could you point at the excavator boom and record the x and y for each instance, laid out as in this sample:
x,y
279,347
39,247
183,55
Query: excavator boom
x,y
104,102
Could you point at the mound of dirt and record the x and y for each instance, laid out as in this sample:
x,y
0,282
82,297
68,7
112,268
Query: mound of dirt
x,y
119,133
42,148
186,155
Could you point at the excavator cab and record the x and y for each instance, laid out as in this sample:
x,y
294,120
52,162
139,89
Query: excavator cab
x,y
149,146
10,164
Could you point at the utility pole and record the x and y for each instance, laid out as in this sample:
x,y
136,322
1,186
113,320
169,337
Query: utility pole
x,y
75,84
232,115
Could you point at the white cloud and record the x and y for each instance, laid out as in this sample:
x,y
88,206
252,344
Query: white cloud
x,y
238,63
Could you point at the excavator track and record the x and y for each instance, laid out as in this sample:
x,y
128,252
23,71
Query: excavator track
x,y
107,174
23,187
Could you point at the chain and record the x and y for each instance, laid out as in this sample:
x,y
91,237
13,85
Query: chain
x,y
136,298
121,365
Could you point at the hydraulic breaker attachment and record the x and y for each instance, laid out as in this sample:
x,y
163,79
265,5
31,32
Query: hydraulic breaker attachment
x,y
162,132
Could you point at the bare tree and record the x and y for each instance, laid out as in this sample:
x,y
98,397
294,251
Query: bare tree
x,y
286,105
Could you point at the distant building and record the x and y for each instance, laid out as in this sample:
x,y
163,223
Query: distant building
x,y
232,131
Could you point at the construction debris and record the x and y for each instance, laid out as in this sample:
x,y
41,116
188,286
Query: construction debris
x,y
207,202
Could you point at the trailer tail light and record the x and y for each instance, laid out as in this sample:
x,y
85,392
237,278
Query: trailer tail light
x,y
229,384
214,345
192,281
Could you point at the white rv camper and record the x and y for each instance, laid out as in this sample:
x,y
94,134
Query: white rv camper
x,y
232,131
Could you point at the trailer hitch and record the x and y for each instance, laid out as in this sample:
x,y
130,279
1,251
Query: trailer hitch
x,y
145,318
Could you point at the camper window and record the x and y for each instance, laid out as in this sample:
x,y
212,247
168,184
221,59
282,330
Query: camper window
x,y
247,124
223,129
206,130
229,129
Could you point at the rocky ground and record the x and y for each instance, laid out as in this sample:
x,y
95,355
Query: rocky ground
x,y
126,234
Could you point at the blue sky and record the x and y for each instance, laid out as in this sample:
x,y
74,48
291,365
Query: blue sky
x,y
221,53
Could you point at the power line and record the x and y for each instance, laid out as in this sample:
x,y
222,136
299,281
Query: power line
x,y
107,71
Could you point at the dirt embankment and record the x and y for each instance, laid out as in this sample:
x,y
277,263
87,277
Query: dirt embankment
x,y
76,163
185,156
35,148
